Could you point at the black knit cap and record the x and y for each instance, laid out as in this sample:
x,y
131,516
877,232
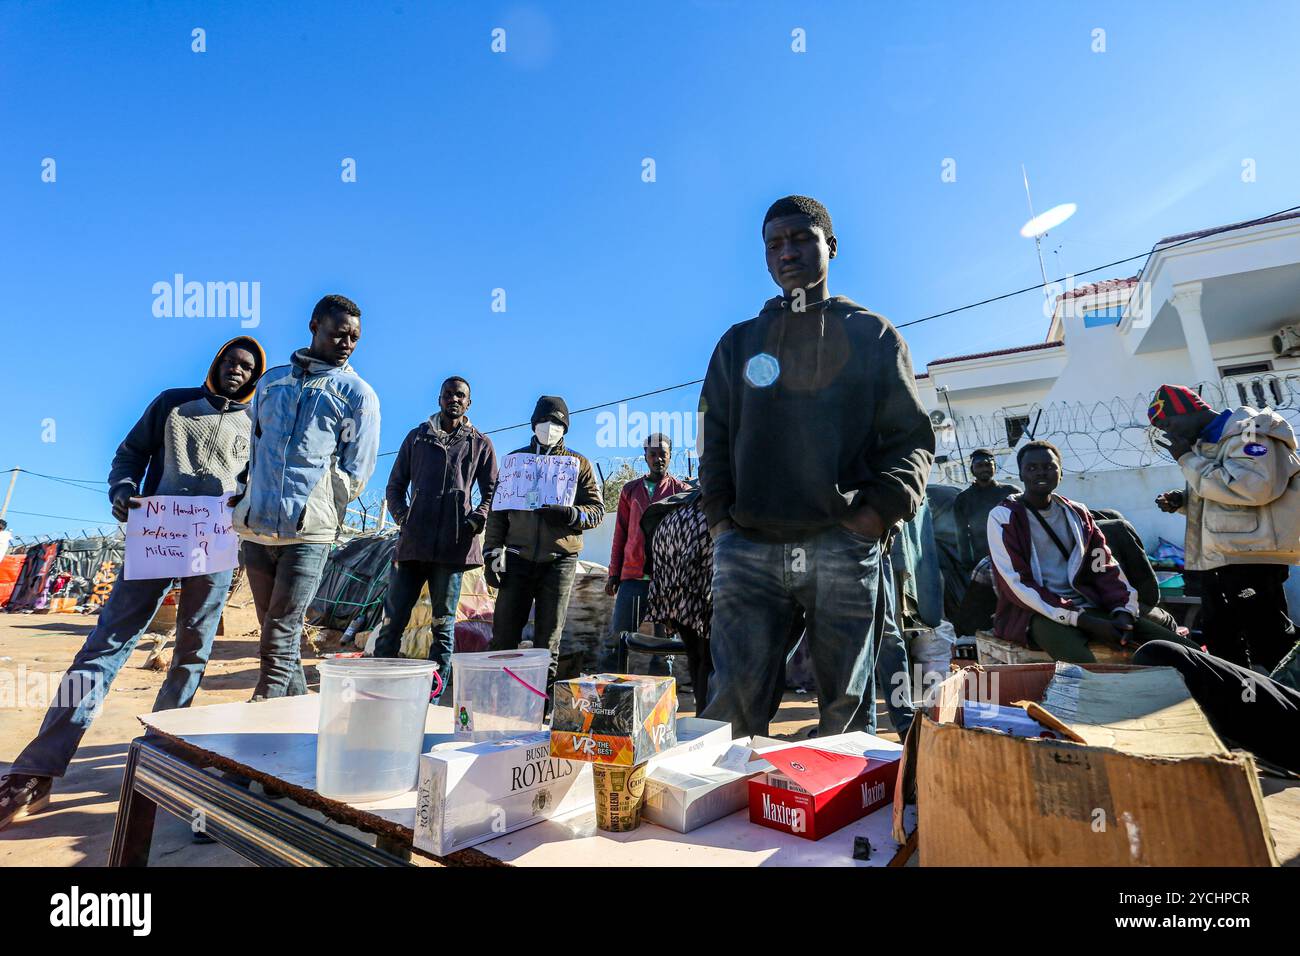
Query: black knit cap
x,y
551,408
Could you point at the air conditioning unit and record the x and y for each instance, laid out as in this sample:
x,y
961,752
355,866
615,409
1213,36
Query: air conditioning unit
x,y
1286,341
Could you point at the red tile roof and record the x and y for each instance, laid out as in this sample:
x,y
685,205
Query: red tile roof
x,y
1093,288
1019,348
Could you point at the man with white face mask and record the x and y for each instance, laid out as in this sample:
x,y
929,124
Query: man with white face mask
x,y
532,555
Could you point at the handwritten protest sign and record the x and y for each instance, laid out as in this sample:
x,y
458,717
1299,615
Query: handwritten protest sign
x,y
175,536
528,482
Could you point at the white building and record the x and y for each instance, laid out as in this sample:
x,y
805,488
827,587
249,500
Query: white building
x,y
1203,312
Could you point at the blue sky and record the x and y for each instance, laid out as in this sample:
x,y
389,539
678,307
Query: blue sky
x,y
522,171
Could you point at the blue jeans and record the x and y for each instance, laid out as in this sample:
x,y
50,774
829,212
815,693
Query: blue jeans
x,y
405,581
834,577
124,617
893,668
283,579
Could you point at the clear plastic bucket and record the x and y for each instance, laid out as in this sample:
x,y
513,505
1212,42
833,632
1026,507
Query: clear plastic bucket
x,y
371,731
499,693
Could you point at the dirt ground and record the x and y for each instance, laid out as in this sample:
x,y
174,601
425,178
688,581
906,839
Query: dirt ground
x,y
77,828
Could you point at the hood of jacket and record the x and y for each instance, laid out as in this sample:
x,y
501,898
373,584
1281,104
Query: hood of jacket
x,y
259,366
309,364
807,354
1264,422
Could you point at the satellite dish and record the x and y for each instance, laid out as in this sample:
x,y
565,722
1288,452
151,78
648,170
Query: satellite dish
x,y
1048,220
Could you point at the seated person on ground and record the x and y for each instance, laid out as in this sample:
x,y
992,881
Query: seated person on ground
x,y
1058,585
1257,713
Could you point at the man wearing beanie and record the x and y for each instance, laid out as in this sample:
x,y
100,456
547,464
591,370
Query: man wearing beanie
x,y
814,447
531,555
189,441
1242,503
629,576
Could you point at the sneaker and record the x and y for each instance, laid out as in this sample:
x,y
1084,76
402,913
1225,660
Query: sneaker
x,y
22,795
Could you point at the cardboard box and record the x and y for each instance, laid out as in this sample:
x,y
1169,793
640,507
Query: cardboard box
x,y
685,793
468,793
814,789
986,798
623,719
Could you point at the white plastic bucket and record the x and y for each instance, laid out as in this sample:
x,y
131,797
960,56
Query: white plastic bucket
x,y
499,693
371,731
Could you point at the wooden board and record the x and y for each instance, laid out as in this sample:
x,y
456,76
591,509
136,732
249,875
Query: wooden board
x,y
274,742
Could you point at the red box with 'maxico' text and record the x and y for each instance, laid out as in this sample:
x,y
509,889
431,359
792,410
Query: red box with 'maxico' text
x,y
811,792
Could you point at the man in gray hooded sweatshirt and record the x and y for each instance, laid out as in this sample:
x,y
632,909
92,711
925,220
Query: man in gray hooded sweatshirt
x,y
189,441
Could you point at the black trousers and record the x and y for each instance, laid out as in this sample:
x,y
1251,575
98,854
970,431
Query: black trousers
x,y
1250,710
1244,616
549,585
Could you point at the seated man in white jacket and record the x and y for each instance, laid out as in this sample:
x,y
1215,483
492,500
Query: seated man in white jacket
x,y
1242,503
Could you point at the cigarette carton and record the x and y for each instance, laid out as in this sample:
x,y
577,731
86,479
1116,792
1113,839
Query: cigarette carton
x,y
813,790
469,793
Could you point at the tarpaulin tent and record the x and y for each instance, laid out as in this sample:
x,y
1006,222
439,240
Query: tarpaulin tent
x,y
354,583
90,565
30,593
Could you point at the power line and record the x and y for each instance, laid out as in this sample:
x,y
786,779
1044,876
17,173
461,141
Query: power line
x,y
37,514
900,325
71,482
1109,265
963,308
589,408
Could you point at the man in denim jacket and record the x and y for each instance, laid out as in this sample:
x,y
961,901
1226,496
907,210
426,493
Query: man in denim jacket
x,y
312,450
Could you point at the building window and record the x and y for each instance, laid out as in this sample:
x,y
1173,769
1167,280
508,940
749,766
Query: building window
x,y
1253,384
1107,316
1017,425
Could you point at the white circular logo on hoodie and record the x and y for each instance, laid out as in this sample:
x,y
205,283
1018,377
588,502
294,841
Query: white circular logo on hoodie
x,y
762,370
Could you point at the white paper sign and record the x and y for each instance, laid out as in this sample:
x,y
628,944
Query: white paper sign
x,y
527,482
176,536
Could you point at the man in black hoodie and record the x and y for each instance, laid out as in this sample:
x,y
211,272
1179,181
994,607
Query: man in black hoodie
x,y
532,555
440,462
814,446
190,441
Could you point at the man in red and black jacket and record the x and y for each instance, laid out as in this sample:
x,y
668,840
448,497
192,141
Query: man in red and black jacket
x,y
1058,584
629,576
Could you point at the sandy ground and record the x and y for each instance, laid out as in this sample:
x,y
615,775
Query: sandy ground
x,y
77,828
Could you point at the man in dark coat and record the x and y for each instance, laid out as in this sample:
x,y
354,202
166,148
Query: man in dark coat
x,y
440,461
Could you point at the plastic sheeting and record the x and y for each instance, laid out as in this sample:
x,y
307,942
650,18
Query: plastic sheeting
x,y
10,567
85,570
30,592
354,583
